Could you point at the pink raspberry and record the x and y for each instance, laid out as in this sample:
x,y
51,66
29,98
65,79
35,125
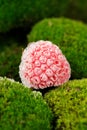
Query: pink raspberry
x,y
43,65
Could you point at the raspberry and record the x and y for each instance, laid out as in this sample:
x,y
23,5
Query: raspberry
x,y
43,65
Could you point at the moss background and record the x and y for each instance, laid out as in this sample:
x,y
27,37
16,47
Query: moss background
x,y
24,13
65,24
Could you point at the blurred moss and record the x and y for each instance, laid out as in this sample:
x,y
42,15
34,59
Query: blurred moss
x,y
24,13
77,9
10,59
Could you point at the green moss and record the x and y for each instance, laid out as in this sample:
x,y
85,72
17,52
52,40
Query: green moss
x,y
69,105
10,58
23,13
77,9
70,36
21,108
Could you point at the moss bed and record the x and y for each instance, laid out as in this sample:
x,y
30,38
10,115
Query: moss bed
x,y
69,105
10,58
21,108
24,13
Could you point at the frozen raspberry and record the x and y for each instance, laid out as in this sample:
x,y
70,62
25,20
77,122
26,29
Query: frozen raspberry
x,y
43,65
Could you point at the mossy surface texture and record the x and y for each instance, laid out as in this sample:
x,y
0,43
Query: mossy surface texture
x,y
22,109
70,36
69,105
77,9
10,58
24,13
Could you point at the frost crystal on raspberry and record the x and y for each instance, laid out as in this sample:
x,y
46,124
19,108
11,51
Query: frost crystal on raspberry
x,y
43,65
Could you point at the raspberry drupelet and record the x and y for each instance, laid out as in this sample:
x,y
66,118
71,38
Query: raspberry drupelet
x,y
43,65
